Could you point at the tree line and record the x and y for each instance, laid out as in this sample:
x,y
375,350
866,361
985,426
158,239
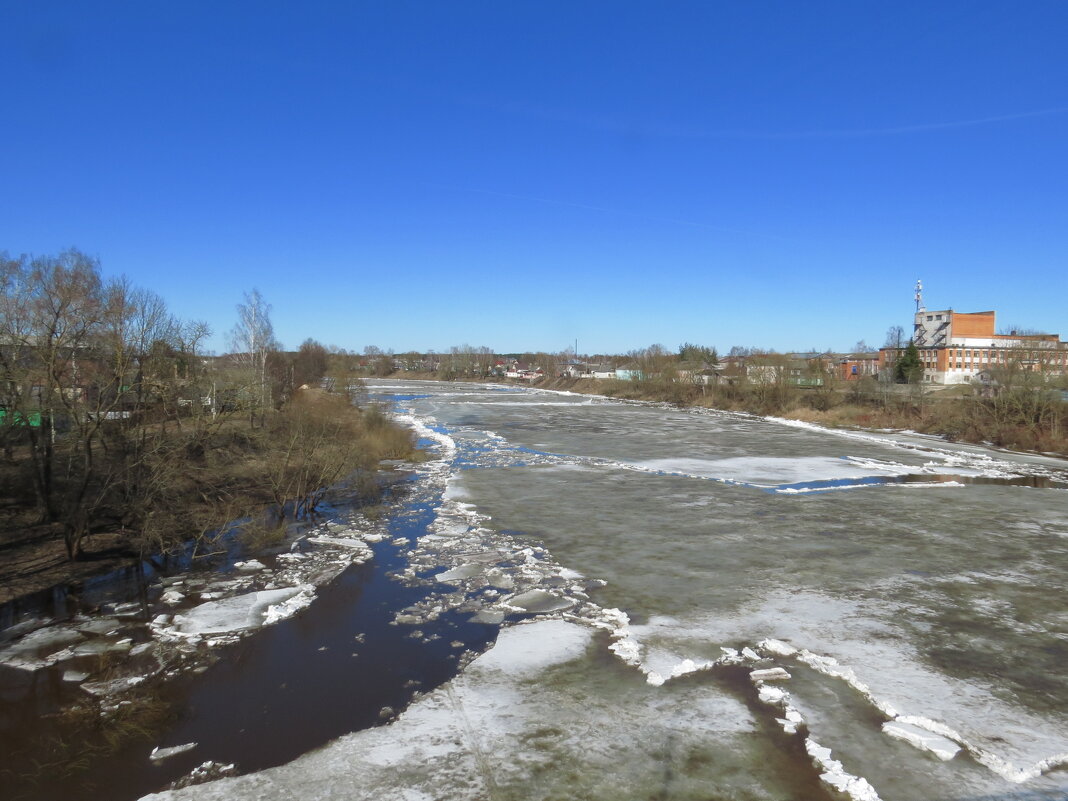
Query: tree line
x,y
113,417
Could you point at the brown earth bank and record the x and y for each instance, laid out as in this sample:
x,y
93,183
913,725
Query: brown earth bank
x,y
34,559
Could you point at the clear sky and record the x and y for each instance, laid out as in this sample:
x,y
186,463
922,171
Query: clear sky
x,y
524,174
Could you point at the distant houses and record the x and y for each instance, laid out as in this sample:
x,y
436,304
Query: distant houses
x,y
855,366
951,348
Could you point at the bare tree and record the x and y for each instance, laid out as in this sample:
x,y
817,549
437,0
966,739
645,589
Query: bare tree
x,y
895,337
252,339
483,359
310,364
49,311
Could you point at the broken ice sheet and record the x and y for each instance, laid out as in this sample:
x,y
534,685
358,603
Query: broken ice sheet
x,y
942,747
538,601
533,718
459,573
102,625
40,648
239,613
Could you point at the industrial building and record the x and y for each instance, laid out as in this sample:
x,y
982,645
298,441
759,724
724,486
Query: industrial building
x,y
956,347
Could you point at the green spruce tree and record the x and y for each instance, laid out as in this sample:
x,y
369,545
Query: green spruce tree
x,y
909,368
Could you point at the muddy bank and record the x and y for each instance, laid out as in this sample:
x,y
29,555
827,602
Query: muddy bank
x,y
34,562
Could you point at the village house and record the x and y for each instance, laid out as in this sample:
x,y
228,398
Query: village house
x,y
858,365
522,370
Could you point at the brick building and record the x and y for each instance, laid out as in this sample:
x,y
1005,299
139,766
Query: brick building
x,y
955,347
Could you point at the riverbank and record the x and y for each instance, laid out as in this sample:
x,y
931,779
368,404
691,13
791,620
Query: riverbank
x,y
1021,421
203,477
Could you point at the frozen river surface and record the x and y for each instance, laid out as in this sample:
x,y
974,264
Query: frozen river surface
x,y
700,605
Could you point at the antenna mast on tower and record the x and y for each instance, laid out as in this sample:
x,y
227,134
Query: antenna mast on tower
x,y
919,296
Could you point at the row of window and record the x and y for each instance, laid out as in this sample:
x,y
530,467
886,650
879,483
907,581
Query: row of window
x,y
975,358
996,355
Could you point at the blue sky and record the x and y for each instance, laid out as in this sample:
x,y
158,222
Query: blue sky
x,y
524,174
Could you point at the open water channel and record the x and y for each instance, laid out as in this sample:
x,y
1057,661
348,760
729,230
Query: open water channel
x,y
692,605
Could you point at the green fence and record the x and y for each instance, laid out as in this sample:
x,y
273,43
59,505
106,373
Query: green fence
x,y
18,419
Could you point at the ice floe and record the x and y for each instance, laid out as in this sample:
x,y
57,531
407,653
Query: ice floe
x,y
856,787
41,648
498,731
239,613
160,754
942,747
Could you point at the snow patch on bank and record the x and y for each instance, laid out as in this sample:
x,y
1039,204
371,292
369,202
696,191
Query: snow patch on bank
x,y
966,461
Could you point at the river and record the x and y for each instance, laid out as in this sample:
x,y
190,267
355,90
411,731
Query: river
x,y
697,605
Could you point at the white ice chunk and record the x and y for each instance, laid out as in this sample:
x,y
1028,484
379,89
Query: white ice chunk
x,y
340,542
160,754
531,648
772,695
538,601
459,573
39,648
942,747
772,470
835,775
492,616
687,666
771,674
289,607
777,647
241,612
